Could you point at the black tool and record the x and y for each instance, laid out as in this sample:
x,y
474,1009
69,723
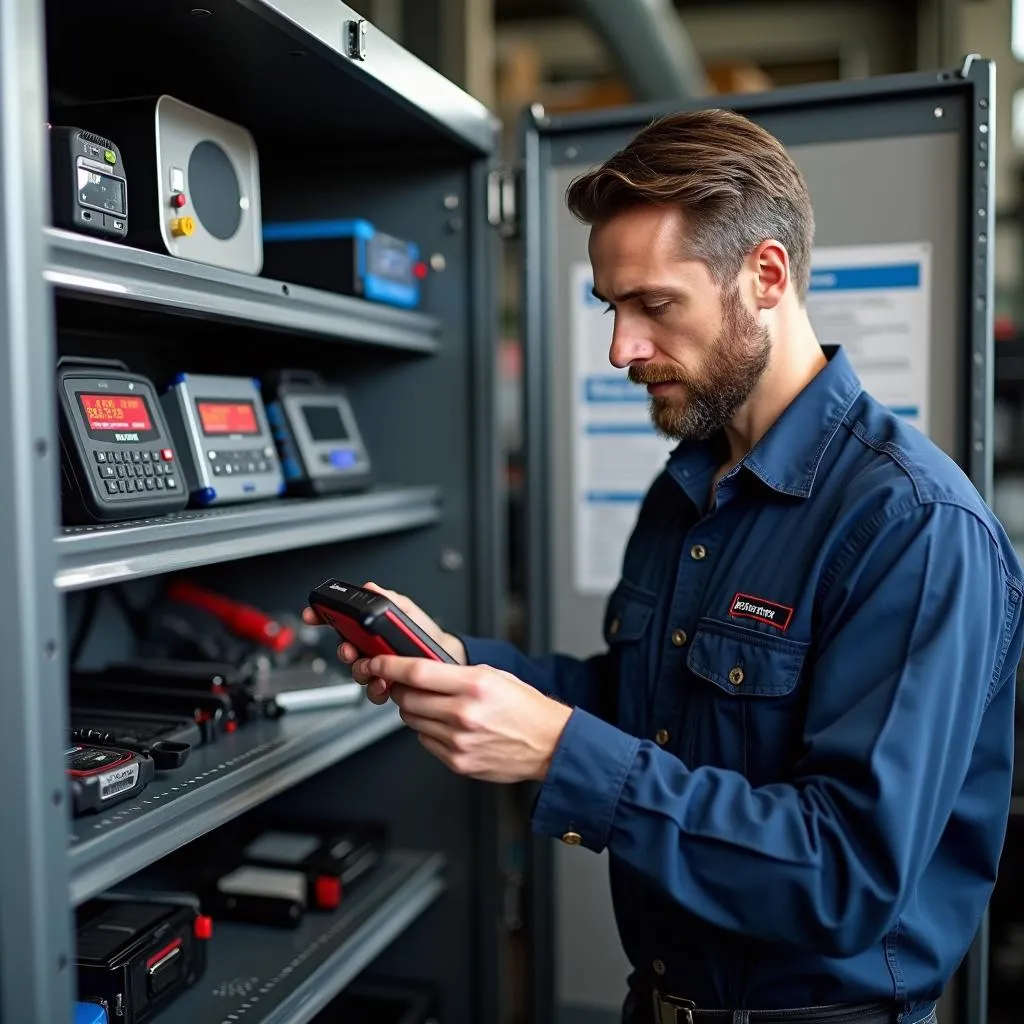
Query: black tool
x,y
167,740
212,712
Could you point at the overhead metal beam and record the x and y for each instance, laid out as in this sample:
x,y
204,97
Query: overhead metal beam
x,y
651,44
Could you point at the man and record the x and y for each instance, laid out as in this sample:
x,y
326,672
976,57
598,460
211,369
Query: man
x,y
797,747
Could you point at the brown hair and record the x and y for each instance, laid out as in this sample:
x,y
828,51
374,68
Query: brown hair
x,y
734,181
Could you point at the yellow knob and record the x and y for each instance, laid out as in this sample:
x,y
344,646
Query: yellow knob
x,y
182,226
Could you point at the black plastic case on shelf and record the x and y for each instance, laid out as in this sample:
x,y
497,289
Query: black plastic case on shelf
x,y
139,955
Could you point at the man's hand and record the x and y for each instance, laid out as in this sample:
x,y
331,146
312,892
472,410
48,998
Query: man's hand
x,y
479,721
377,688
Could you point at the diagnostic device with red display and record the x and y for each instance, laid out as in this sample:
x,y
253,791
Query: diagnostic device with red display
x,y
117,457
372,623
222,424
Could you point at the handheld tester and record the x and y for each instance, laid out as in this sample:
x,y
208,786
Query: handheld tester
x,y
322,450
222,423
102,776
117,457
372,623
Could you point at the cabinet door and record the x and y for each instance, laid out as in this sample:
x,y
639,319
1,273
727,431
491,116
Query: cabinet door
x,y
902,186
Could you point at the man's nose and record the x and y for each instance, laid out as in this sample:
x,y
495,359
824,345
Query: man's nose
x,y
628,347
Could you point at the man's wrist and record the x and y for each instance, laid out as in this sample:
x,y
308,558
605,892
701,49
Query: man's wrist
x,y
555,726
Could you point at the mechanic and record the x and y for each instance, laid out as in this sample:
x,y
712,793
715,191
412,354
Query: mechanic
x,y
797,746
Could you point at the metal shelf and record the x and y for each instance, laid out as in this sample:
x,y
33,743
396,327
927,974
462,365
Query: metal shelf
x,y
93,269
274,976
218,783
88,556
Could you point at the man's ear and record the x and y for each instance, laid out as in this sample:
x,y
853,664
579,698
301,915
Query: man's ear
x,y
769,265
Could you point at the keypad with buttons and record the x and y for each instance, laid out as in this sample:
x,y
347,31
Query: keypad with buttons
x,y
233,463
137,470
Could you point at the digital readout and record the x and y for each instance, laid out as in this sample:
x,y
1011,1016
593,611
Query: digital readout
x,y
228,417
116,412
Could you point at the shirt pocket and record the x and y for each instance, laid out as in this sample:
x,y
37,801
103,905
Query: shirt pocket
x,y
746,710
626,629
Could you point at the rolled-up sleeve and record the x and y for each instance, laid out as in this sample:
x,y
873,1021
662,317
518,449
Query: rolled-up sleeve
x,y
919,632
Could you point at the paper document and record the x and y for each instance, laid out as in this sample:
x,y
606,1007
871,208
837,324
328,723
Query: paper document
x,y
875,301
616,452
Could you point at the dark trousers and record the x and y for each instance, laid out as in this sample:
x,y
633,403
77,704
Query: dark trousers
x,y
639,1009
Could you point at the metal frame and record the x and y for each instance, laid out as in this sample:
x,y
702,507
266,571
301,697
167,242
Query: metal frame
x,y
489,547
540,135
35,931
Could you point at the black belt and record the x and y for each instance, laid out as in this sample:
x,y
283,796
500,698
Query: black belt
x,y
673,1010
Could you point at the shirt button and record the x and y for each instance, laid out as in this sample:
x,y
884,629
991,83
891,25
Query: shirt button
x,y
659,966
678,637
661,737
572,838
613,626
698,551
736,676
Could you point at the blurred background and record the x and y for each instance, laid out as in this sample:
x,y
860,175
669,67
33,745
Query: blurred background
x,y
578,55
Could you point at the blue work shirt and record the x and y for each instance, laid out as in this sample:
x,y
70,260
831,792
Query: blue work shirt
x,y
797,747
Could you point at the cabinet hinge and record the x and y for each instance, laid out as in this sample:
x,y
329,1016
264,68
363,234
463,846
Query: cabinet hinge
x,y
502,201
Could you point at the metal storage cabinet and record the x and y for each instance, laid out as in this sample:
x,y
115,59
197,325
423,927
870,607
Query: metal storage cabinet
x,y
347,124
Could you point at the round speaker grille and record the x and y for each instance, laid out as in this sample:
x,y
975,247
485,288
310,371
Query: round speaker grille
x,y
214,188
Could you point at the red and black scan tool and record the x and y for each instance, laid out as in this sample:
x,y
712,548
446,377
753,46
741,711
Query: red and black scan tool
x,y
372,623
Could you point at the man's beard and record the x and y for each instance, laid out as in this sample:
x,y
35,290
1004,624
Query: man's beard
x,y
731,370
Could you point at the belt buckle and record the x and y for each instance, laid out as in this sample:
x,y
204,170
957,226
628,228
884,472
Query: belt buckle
x,y
672,1009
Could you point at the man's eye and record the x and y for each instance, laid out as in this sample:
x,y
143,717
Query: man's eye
x,y
659,310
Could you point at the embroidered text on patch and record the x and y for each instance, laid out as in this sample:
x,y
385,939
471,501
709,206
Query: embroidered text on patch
x,y
769,612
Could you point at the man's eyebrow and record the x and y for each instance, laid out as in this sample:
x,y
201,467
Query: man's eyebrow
x,y
636,293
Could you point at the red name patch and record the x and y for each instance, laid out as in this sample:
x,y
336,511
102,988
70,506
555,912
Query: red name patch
x,y
746,606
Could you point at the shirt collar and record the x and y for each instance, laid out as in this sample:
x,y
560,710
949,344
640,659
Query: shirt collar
x,y
788,456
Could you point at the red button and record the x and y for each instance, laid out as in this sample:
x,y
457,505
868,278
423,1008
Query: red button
x,y
203,927
328,892
178,200
420,270
167,455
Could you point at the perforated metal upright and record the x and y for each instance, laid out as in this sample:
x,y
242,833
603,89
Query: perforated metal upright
x,y
35,937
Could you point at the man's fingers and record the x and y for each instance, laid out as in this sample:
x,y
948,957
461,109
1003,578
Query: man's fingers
x,y
440,750
400,600
428,727
422,673
425,704
378,691
311,618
